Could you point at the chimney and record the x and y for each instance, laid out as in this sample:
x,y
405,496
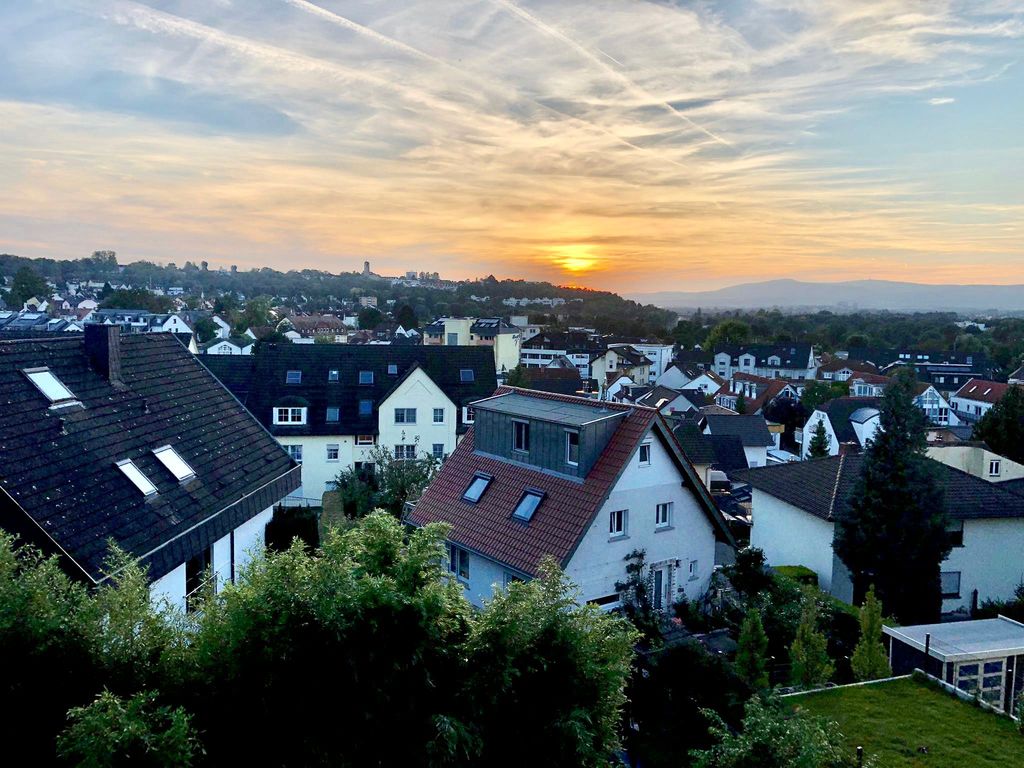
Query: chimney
x,y
103,346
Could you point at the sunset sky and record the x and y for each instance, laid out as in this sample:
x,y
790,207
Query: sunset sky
x,y
630,145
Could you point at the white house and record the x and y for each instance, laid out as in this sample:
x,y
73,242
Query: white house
x,y
975,398
242,345
680,376
581,481
751,429
977,459
849,423
794,509
773,361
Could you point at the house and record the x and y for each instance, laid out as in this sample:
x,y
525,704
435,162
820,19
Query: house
x,y
576,346
976,458
947,370
838,369
975,398
528,329
311,326
710,453
849,423
1017,377
621,360
584,482
681,375
659,355
926,397
774,361
504,339
670,402
330,404
984,657
757,392
138,321
752,431
235,345
128,438
795,507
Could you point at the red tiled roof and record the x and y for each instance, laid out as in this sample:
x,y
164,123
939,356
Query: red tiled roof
x,y
982,390
569,505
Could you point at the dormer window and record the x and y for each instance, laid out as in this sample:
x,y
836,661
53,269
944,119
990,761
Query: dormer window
x,y
289,415
53,388
476,488
139,480
467,375
528,504
521,436
572,448
366,377
293,377
178,467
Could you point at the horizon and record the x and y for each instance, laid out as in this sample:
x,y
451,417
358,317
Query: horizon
x,y
621,150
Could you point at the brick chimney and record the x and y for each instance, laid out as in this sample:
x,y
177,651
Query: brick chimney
x,y
103,346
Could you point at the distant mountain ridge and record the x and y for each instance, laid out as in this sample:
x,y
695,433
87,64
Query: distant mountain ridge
x,y
848,295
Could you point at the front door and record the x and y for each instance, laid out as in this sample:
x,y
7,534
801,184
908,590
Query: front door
x,y
658,589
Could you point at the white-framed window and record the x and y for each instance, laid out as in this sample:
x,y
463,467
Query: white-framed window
x,y
528,504
466,375
572,448
136,475
458,562
645,454
333,451
365,440
392,369
468,414
521,436
405,451
437,450
994,466
366,377
295,451
333,414
173,461
439,415
333,375
52,388
663,515
618,522
405,415
365,407
289,415
950,581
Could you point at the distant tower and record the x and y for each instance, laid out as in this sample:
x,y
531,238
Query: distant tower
x,y
366,267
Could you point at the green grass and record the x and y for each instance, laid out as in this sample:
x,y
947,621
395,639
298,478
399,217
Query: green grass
x,y
894,720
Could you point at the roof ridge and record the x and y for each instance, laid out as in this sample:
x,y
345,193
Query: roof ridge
x,y
835,486
506,389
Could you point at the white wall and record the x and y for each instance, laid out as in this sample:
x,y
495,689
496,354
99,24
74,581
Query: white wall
x,y
790,536
485,575
170,588
420,392
990,561
974,460
757,456
808,434
317,471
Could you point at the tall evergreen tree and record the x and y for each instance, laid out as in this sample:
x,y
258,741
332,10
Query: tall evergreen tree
x,y
869,660
751,662
893,533
741,404
1002,427
808,655
820,442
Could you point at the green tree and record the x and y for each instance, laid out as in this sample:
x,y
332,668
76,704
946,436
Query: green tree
x,y
820,441
808,656
406,317
26,284
869,660
205,329
517,377
893,532
751,655
774,737
136,298
817,393
727,332
1002,426
741,403
113,731
391,483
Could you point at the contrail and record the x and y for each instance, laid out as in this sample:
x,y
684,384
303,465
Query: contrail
x,y
612,72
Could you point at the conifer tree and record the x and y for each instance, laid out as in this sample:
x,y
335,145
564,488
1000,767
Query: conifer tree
x,y
741,404
751,662
820,442
808,655
869,660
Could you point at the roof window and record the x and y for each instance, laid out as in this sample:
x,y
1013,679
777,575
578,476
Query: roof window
x,y
528,504
476,488
333,374
139,480
392,369
333,414
171,459
466,375
366,377
293,377
52,387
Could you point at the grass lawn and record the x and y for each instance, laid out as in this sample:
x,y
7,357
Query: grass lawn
x,y
893,720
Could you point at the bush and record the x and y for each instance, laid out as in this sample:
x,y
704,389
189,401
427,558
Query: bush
x,y
289,523
801,574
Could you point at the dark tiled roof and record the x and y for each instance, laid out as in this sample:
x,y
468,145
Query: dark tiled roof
x,y
750,428
983,391
823,487
259,380
729,455
58,466
841,409
790,355
565,381
1014,486
695,444
569,505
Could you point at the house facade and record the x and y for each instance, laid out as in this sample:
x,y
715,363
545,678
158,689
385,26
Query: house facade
x,y
849,423
582,481
128,438
505,340
976,398
774,361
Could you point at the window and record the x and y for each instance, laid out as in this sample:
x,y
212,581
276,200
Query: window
x,y
658,588
509,578
52,387
521,436
476,488
437,450
663,515
197,576
333,375
468,415
366,407
405,415
955,531
135,474
694,570
293,377
453,340
466,375
295,451
439,415
289,415
458,562
366,377
950,584
993,467
528,505
364,440
572,448
617,523
405,452
177,465
333,451
392,369
333,414
645,454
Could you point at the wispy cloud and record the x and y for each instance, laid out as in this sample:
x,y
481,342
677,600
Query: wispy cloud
x,y
668,144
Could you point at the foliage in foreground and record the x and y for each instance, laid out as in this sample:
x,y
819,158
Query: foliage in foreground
x,y
315,660
870,661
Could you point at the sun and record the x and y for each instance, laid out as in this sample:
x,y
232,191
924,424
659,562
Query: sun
x,y
576,259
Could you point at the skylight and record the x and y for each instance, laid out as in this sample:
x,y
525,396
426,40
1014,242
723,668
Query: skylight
x,y
528,504
47,383
139,480
366,377
392,369
333,374
467,374
177,465
476,488
293,377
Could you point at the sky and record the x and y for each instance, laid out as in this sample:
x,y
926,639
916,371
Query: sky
x,y
623,145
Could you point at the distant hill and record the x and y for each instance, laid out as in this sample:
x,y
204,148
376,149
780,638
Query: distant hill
x,y
850,296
